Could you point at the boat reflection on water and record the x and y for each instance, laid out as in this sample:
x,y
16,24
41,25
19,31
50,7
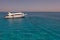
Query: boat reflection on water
x,y
16,21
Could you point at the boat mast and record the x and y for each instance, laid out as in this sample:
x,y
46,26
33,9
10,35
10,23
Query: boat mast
x,y
9,14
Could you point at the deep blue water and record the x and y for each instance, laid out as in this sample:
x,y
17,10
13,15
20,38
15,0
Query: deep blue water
x,y
35,26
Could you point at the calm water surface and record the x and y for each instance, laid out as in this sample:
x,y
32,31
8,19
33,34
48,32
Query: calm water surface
x,y
35,26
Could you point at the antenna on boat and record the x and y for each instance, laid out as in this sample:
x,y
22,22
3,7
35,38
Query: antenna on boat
x,y
9,13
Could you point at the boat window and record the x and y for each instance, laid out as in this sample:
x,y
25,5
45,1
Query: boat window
x,y
18,14
12,15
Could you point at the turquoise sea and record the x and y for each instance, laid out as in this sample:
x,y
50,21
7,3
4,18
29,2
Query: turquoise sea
x,y
35,26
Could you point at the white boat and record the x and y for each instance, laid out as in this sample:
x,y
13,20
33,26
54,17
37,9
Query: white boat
x,y
15,15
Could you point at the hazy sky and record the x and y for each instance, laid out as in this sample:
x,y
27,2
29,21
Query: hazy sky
x,y
30,5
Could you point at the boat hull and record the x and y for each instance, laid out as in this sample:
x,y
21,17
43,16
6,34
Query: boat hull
x,y
14,16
